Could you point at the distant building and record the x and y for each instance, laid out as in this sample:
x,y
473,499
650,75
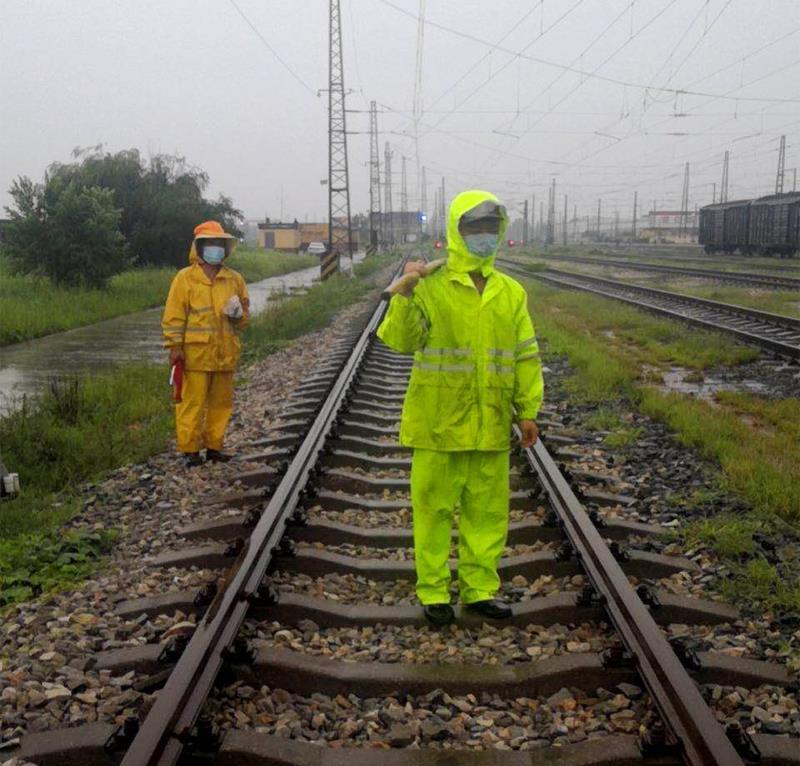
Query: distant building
x,y
401,227
294,237
669,226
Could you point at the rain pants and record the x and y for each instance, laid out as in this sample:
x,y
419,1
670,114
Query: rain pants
x,y
194,321
476,367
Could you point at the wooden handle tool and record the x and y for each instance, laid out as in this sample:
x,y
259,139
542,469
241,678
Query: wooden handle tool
x,y
408,280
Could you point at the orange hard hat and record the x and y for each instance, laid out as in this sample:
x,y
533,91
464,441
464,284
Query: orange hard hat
x,y
211,230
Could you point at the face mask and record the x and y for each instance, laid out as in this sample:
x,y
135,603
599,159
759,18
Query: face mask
x,y
213,254
481,244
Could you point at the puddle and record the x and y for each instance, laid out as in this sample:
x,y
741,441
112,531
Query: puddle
x,y
683,381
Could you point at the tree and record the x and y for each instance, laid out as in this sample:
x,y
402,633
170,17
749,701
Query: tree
x,y
65,232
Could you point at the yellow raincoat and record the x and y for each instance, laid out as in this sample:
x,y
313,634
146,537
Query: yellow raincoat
x,y
476,366
194,321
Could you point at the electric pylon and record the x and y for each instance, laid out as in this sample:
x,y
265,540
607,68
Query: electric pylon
x,y
403,198
423,201
389,216
723,189
525,223
339,225
375,235
781,167
685,202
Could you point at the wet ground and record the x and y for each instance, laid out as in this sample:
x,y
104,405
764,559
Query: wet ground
x,y
26,367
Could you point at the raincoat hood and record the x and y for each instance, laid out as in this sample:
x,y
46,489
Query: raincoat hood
x,y
211,230
460,259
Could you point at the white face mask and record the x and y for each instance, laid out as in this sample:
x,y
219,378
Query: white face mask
x,y
481,245
213,254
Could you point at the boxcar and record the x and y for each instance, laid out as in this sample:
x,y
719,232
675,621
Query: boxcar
x,y
724,226
774,222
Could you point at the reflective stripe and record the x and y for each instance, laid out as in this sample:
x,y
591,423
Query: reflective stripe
x,y
500,352
526,343
444,367
531,355
447,351
500,369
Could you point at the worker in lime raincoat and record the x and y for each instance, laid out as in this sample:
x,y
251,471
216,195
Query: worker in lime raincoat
x,y
206,309
476,368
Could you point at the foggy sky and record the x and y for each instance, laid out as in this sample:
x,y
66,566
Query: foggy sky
x,y
191,77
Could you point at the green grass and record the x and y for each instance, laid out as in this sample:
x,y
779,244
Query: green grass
x,y
78,430
616,353
34,307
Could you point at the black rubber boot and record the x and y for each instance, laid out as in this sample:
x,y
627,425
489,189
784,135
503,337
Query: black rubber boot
x,y
492,608
192,459
439,614
215,456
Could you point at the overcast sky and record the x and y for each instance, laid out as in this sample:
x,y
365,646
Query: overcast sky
x,y
607,96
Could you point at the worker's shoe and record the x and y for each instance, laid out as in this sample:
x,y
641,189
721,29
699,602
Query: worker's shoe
x,y
192,459
439,614
492,608
215,456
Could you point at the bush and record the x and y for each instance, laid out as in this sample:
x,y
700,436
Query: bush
x,y
64,232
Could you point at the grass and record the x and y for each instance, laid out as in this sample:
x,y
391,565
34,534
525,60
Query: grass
x,y
78,430
34,307
616,352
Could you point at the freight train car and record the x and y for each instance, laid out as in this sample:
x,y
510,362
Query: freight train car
x,y
774,224
724,227
767,225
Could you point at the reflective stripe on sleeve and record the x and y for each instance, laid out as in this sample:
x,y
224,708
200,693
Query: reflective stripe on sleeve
x,y
529,355
525,343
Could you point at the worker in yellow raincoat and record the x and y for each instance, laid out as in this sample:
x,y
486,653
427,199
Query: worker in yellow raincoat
x,y
476,367
206,308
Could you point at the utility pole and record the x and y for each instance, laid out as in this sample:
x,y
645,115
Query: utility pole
x,y
781,166
599,202
403,199
723,189
443,200
541,220
564,223
635,200
423,202
574,223
533,218
685,202
794,179
713,192
387,188
525,223
417,109
374,182
340,236
551,216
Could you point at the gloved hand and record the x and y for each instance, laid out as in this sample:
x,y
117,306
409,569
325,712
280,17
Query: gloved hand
x,y
175,354
233,308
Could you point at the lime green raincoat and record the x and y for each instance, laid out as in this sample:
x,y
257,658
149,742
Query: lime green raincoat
x,y
476,358
476,363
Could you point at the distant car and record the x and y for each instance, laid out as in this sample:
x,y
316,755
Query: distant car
x,y
316,248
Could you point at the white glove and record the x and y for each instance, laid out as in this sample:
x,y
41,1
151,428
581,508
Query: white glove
x,y
233,308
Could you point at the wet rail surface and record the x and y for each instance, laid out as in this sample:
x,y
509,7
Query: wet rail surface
x,y
750,279
332,475
774,332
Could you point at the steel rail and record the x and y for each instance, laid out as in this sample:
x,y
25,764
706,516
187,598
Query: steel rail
x,y
168,726
739,277
775,323
683,710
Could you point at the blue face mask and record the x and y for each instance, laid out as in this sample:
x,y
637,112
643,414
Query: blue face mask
x,y
213,254
481,244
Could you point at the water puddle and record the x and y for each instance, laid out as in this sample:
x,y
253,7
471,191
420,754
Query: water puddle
x,y
26,367
702,385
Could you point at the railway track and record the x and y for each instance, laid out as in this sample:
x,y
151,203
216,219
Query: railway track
x,y
329,506
739,278
774,332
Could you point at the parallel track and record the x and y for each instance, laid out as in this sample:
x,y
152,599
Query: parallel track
x,y
750,279
775,332
353,429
